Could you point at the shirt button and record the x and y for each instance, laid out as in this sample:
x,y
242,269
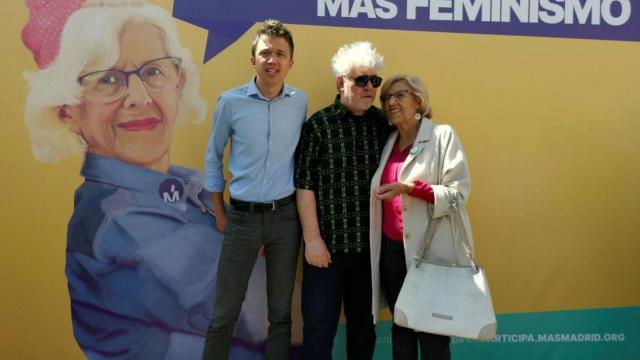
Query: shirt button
x,y
407,236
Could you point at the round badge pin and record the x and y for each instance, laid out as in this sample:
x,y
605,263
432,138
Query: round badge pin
x,y
171,190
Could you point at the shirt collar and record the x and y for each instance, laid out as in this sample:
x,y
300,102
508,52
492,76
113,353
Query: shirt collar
x,y
177,182
341,111
252,90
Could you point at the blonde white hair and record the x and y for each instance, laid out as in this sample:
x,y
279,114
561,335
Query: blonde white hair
x,y
355,55
91,39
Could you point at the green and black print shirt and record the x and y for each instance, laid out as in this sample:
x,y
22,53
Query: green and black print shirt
x,y
337,155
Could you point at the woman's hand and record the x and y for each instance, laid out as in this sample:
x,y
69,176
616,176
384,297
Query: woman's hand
x,y
389,191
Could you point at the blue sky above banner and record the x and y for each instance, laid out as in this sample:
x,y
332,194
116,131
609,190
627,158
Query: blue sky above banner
x,y
227,20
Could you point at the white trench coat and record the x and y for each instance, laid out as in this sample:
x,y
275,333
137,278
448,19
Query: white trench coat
x,y
422,164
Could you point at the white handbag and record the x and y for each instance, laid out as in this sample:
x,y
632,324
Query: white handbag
x,y
446,300
452,300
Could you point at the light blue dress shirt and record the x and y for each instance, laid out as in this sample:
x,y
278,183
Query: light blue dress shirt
x,y
264,134
142,254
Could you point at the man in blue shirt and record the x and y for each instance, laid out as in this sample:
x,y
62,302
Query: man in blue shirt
x,y
263,119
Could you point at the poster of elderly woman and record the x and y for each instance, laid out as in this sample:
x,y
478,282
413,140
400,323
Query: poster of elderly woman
x,y
113,82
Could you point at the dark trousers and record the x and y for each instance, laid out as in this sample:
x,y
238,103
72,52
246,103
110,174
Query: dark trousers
x,y
405,341
245,232
347,280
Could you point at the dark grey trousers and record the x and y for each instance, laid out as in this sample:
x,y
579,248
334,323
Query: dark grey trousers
x,y
245,232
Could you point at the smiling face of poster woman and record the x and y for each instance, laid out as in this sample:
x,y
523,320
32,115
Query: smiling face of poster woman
x,y
128,112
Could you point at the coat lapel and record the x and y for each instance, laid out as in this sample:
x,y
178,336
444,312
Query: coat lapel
x,y
419,145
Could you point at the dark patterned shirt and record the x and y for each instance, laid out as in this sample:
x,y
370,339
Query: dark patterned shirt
x,y
336,158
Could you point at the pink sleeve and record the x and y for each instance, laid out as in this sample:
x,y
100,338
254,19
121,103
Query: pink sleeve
x,y
423,191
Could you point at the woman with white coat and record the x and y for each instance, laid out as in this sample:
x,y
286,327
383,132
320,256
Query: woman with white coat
x,y
422,173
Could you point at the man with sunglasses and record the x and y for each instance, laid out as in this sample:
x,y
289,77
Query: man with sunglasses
x,y
263,119
338,154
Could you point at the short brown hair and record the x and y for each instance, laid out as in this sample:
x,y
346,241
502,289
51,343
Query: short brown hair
x,y
272,27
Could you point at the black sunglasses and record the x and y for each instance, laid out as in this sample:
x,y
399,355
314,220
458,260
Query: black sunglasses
x,y
362,80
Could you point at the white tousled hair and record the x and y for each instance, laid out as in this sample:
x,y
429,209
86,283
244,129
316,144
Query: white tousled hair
x,y
91,39
354,55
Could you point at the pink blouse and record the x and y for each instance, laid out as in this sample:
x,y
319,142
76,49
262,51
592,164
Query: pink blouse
x,y
392,210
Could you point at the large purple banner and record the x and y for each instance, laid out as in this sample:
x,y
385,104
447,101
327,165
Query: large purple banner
x,y
227,20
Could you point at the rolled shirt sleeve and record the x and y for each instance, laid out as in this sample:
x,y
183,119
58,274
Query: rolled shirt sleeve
x,y
213,167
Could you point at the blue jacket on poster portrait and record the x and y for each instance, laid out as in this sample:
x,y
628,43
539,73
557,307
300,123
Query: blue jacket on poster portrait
x,y
142,255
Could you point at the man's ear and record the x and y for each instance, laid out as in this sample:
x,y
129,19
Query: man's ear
x,y
253,61
339,83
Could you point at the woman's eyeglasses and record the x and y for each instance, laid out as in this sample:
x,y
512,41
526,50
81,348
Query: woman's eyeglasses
x,y
110,85
399,95
363,80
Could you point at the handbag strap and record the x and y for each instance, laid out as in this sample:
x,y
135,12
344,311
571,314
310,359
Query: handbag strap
x,y
452,197
431,227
